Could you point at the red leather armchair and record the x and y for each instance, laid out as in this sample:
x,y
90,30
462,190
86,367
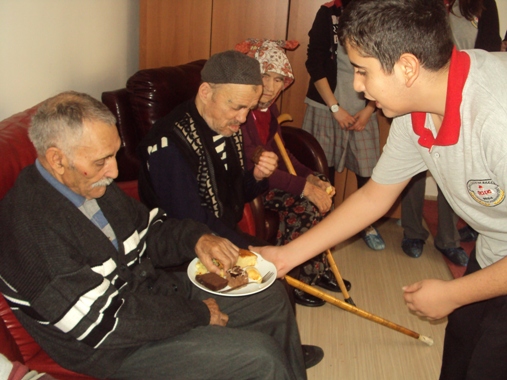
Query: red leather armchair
x,y
149,95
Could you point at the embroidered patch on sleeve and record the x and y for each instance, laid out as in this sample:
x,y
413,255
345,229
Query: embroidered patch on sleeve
x,y
485,192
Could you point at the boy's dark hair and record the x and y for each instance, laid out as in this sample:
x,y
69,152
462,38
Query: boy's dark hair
x,y
386,29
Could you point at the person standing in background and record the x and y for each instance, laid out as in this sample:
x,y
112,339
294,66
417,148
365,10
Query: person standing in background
x,y
474,25
342,120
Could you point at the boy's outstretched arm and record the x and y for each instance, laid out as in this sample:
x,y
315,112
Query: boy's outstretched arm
x,y
358,211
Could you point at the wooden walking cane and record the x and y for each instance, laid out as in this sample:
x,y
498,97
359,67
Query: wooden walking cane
x,y
334,268
330,258
349,305
345,306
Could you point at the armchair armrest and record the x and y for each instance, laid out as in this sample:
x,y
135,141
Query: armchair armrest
x,y
306,148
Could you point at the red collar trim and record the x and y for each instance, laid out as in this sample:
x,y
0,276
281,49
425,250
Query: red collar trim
x,y
329,4
448,133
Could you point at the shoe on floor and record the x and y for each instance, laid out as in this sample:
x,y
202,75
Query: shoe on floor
x,y
305,299
373,239
467,234
327,280
412,247
312,354
457,255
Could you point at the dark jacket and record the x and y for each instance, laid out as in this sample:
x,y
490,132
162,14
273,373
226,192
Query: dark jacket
x,y
169,175
488,33
87,304
321,59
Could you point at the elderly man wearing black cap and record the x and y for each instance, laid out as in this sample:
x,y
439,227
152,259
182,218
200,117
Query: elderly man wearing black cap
x,y
192,159
193,167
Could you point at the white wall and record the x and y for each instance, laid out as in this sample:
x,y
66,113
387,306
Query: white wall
x,y
49,46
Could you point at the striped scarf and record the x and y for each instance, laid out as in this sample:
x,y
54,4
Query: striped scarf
x,y
208,187
91,209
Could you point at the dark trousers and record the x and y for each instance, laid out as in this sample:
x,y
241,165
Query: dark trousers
x,y
475,345
260,341
412,215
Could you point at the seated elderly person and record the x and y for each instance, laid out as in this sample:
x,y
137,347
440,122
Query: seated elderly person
x,y
83,269
301,200
192,159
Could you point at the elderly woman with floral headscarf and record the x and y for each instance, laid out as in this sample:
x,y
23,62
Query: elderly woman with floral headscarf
x,y
301,201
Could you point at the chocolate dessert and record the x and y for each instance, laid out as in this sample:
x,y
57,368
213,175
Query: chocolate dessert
x,y
257,154
212,281
236,276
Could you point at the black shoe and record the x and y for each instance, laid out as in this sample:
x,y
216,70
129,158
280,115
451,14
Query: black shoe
x,y
412,247
306,299
457,255
373,239
327,280
467,234
312,354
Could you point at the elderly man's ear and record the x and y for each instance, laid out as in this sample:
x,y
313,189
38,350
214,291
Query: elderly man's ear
x,y
205,92
56,159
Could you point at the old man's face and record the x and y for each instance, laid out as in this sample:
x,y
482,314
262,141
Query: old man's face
x,y
273,84
93,166
226,106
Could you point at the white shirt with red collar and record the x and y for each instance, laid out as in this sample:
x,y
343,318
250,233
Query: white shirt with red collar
x,y
468,157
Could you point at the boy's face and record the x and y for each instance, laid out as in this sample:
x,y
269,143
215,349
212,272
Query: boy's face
x,y
387,90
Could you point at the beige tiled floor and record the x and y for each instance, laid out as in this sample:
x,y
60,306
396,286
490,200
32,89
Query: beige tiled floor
x,y
359,349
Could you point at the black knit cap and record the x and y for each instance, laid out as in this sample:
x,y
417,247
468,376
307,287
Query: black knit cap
x,y
232,67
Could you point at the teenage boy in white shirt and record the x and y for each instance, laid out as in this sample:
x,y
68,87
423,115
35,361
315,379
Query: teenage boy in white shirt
x,y
450,116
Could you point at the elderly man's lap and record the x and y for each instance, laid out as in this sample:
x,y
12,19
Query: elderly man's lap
x,y
270,306
260,341
209,352
268,312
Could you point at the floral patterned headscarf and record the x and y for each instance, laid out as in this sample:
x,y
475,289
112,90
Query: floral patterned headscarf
x,y
271,56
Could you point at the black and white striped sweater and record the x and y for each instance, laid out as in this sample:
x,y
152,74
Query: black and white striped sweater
x,y
87,304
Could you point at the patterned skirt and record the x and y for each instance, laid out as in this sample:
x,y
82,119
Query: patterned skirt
x,y
296,214
357,151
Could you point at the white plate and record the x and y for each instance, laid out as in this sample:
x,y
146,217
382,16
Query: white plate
x,y
263,266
